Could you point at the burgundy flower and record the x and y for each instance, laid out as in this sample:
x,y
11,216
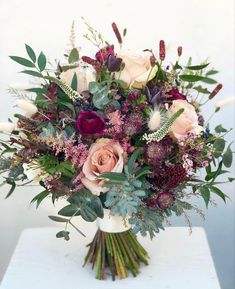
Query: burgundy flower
x,y
103,54
90,123
165,200
114,63
175,94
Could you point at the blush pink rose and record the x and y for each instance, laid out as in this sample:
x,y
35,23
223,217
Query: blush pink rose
x,y
104,156
137,70
187,121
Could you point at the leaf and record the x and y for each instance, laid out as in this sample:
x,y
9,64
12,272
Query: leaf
x,y
100,98
218,171
220,129
228,157
94,87
69,211
22,61
113,176
231,179
197,67
211,72
132,160
219,146
31,53
74,83
218,192
194,78
40,197
42,61
58,219
33,73
205,192
73,56
13,186
202,90
38,90
63,234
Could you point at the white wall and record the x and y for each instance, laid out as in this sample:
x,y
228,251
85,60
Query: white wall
x,y
203,28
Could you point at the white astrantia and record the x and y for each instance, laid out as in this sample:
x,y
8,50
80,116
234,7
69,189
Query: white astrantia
x,y
7,127
28,107
154,120
226,101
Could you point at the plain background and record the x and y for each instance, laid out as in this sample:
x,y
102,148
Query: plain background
x,y
203,28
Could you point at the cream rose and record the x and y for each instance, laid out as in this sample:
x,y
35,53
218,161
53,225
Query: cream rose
x,y
84,77
137,70
187,121
104,156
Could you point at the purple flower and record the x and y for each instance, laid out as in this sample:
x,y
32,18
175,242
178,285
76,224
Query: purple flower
x,y
113,63
154,95
103,54
165,200
175,94
90,123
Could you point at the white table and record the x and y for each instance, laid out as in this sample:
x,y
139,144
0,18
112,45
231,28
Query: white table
x,y
178,261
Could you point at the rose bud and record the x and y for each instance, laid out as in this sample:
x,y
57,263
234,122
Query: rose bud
x,y
114,63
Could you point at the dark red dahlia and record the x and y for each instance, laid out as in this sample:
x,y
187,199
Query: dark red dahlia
x,y
103,54
165,200
90,123
168,177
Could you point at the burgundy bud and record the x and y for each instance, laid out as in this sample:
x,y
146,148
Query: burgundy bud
x,y
152,60
162,50
215,91
117,33
179,50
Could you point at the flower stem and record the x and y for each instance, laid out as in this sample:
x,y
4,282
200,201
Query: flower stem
x,y
117,253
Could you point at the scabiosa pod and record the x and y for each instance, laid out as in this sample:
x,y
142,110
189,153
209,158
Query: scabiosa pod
x,y
162,132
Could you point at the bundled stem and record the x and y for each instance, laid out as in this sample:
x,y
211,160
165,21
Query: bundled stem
x,y
118,252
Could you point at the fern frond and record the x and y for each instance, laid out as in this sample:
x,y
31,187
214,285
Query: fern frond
x,y
72,94
162,132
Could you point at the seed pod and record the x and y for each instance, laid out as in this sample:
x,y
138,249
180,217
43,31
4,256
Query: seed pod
x,y
179,50
117,33
215,91
162,50
152,60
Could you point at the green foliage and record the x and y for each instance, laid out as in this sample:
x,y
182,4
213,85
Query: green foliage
x,y
73,56
197,67
23,61
40,197
89,205
70,210
32,73
205,192
180,206
220,129
124,197
74,83
202,90
228,157
194,78
49,130
218,146
5,164
16,171
100,94
63,234
147,221
58,219
31,53
42,61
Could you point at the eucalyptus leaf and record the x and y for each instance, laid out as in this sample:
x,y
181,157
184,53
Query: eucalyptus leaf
x,y
228,157
73,56
205,192
197,67
32,73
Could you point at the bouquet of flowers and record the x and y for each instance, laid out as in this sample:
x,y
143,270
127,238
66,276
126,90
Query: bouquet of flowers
x,y
121,137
